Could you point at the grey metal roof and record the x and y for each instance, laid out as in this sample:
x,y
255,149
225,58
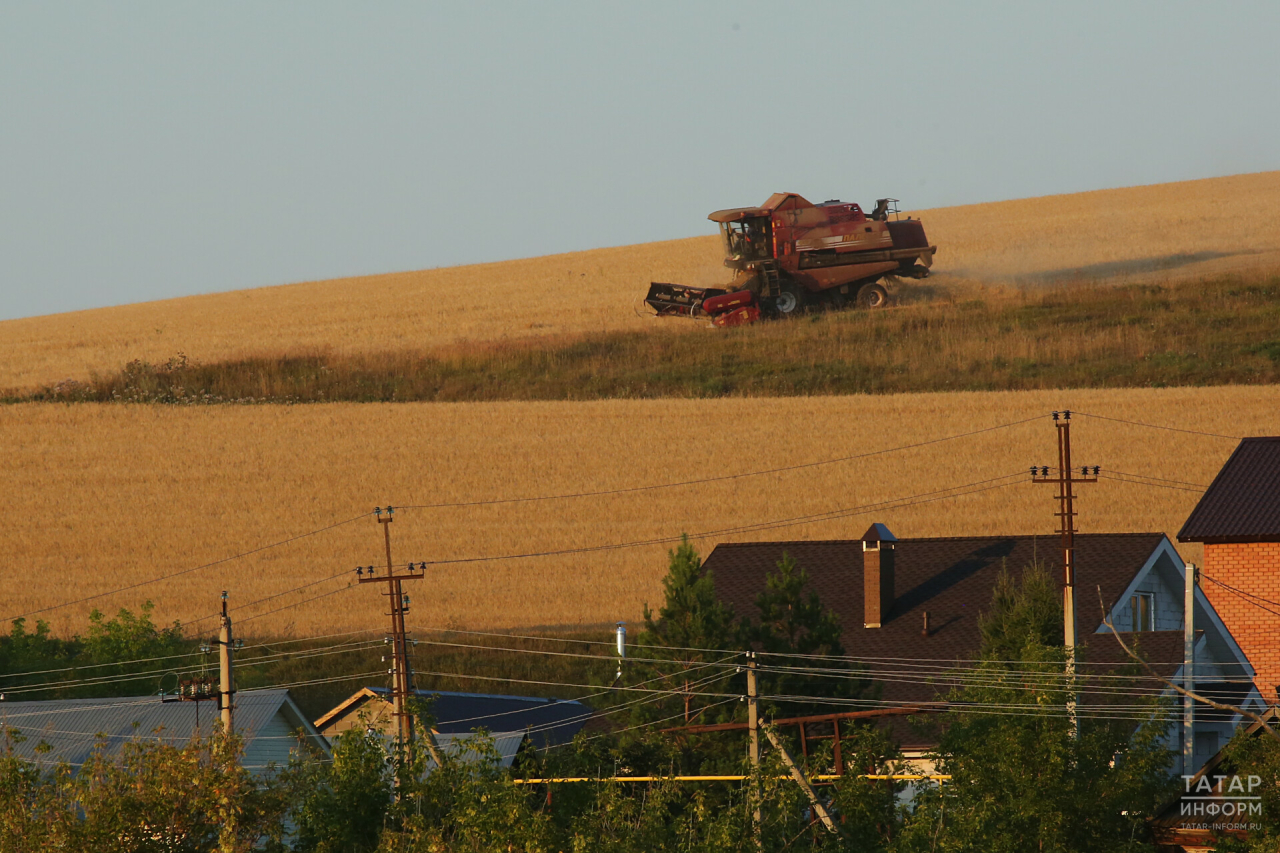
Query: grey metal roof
x,y
547,721
72,727
463,746
1242,504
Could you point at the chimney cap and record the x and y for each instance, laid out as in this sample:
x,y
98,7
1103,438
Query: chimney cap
x,y
878,533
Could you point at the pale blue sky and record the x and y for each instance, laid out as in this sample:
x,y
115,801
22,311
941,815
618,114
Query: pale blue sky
x,y
162,149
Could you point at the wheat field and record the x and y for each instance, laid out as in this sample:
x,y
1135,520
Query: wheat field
x,y
1192,228
97,497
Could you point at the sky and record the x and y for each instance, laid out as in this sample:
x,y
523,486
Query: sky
x,y
153,150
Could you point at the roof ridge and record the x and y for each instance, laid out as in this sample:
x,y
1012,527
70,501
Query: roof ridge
x,y
901,539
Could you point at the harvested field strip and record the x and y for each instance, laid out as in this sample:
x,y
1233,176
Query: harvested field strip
x,y
98,497
1220,331
1166,232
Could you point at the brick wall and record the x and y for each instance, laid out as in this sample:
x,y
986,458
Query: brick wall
x,y
1253,567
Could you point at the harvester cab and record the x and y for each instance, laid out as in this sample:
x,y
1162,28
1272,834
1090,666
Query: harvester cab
x,y
789,256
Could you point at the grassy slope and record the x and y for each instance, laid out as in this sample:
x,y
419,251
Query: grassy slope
x,y
1220,331
1138,234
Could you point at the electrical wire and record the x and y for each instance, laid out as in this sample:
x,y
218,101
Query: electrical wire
x,y
296,603
1107,476
98,681
187,571
1247,597
720,478
1156,426
831,515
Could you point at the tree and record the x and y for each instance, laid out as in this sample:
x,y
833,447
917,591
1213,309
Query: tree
x,y
692,632
1020,780
345,804
793,629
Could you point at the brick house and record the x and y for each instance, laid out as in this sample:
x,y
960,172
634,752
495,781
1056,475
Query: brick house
x,y
909,611
1238,520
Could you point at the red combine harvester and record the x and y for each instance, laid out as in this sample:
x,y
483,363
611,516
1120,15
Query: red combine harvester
x,y
791,255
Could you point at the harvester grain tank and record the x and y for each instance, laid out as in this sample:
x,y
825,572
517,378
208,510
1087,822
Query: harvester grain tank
x,y
790,256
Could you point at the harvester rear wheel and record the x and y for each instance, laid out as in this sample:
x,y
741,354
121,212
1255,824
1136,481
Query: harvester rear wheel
x,y
872,296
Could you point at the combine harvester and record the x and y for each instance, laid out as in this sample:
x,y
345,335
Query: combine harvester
x,y
791,255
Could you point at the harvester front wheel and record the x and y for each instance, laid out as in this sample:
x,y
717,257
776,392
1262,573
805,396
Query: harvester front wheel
x,y
789,302
872,296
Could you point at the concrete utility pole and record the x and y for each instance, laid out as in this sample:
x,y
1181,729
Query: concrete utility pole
x,y
798,775
1064,479
226,676
1189,670
753,741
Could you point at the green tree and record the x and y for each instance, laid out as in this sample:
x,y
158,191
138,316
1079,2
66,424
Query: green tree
x,y
1256,754
1020,780
345,804
682,646
793,632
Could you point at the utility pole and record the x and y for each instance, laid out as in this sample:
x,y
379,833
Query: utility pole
x,y
401,677
226,678
753,742
1189,670
798,775
1065,479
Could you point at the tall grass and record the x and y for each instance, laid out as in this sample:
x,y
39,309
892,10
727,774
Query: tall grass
x,y
1218,331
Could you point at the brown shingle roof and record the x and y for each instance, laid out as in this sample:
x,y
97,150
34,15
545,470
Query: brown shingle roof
x,y
951,578
1242,504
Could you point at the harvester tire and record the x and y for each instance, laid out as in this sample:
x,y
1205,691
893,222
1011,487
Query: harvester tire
x,y
872,296
789,302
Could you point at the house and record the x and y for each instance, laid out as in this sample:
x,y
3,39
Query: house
x,y
546,722
1238,520
909,609
268,721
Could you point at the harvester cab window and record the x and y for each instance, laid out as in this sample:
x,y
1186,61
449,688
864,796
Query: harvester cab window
x,y
748,239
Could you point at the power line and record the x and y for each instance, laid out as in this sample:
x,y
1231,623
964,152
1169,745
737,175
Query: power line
x,y
1107,476
297,603
1157,426
831,515
721,478
200,567
1247,597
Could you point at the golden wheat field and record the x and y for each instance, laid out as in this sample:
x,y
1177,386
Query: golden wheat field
x,y
99,497
1192,228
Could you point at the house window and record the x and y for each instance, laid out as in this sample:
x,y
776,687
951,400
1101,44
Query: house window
x,y
1206,744
1142,608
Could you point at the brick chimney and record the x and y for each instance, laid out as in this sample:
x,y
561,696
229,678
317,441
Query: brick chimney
x,y
877,575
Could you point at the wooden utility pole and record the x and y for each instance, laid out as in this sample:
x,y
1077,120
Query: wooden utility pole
x,y
226,676
1065,479
401,676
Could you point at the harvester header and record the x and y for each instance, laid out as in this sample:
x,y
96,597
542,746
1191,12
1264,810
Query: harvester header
x,y
790,255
